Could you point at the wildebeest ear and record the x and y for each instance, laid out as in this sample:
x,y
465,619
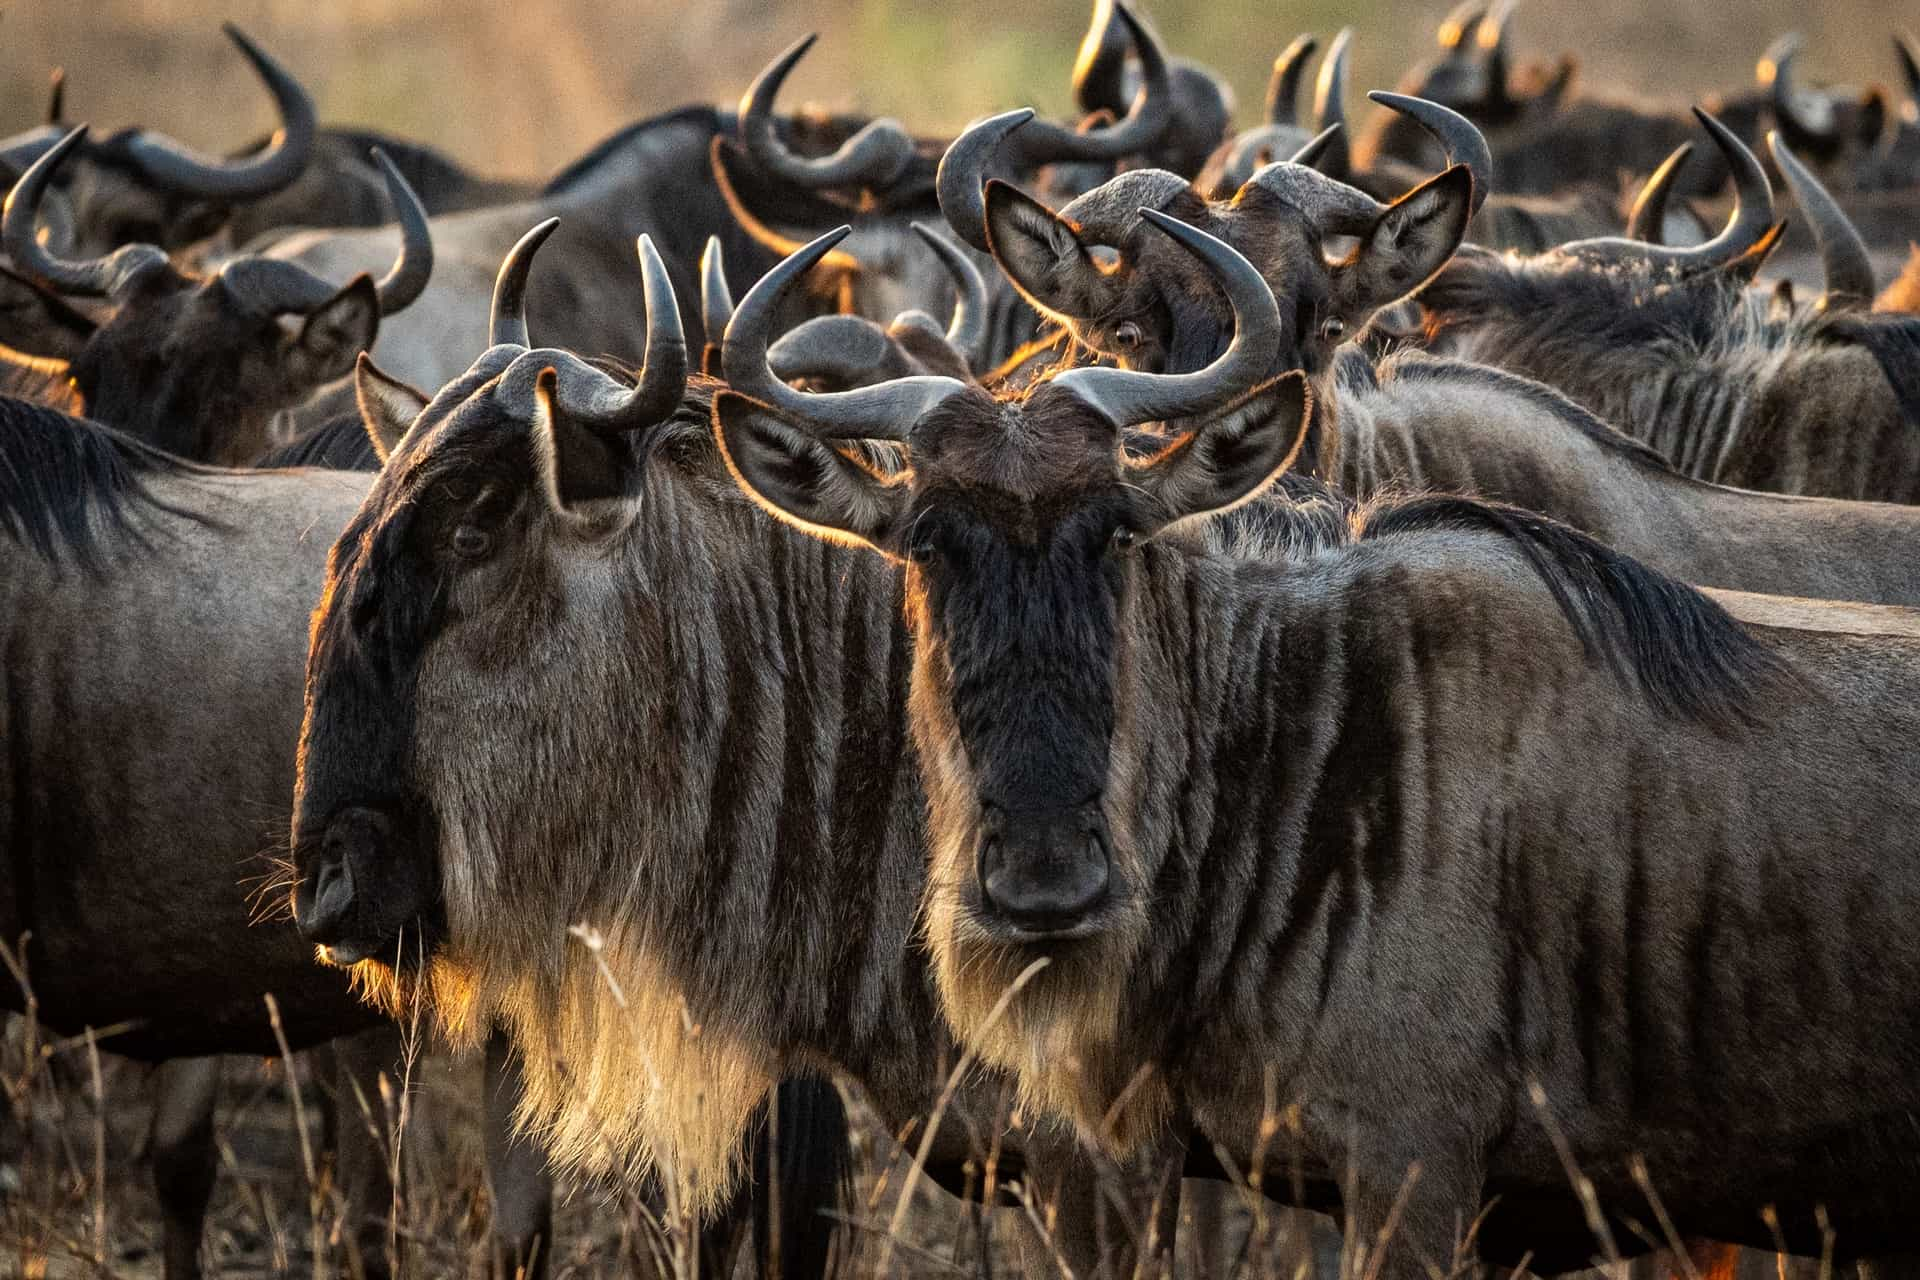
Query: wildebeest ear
x,y
1405,247
388,406
37,322
335,332
1043,255
576,464
806,481
1230,458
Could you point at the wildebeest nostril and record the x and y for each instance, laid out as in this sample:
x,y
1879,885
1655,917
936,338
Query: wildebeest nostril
x,y
328,901
1045,879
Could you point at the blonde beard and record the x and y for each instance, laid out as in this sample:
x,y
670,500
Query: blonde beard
x,y
618,1081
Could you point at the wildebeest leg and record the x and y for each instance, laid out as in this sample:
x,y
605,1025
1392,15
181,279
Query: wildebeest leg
x,y
363,1143
1107,1219
801,1174
517,1174
184,1158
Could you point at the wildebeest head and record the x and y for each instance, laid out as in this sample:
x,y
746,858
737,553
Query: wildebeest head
x,y
1018,523
199,364
483,491
1132,295
1473,75
142,187
1106,84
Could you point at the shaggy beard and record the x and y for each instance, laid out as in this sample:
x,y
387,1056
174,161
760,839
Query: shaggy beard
x,y
1059,1035
620,1084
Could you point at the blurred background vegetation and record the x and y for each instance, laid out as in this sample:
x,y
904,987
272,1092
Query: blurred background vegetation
x,y
519,86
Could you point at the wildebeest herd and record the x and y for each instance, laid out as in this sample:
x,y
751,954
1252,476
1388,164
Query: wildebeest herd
x,y
1366,659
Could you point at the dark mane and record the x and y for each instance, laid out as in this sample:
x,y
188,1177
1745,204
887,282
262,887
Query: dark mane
x,y
1690,657
592,160
67,483
1414,366
340,443
1551,308
1564,301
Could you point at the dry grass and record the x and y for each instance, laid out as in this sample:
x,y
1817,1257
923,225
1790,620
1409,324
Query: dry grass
x,y
519,86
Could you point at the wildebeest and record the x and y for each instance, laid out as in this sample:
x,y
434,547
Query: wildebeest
x,y
199,364
1108,81
141,187
1670,346
1379,850
154,613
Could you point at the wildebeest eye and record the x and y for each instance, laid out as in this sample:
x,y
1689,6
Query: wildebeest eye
x,y
1128,335
1123,540
470,542
1333,328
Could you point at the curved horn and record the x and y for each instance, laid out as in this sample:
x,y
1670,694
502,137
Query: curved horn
x,y
1330,102
960,182
1283,89
875,157
1099,68
1458,136
1127,397
407,278
1908,51
1747,225
1309,155
612,411
57,98
1462,21
87,277
1790,105
1843,254
169,164
849,351
507,322
759,232
1146,120
1648,219
716,300
1492,42
882,412
967,330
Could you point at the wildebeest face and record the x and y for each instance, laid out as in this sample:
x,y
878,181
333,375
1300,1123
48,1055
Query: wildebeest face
x,y
113,205
185,365
199,364
1021,526
1136,297
471,659
422,547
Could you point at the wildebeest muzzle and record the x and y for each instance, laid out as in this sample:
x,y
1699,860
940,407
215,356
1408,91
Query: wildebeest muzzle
x,y
363,887
1043,875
